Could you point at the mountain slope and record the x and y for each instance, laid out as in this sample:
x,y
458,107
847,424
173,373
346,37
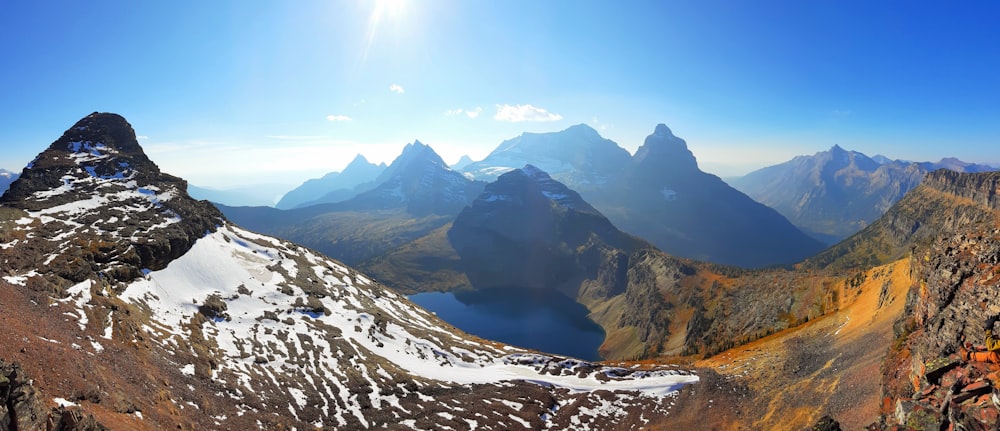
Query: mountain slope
x,y
172,317
357,177
833,194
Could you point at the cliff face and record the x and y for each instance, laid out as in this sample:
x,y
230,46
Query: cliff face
x,y
980,188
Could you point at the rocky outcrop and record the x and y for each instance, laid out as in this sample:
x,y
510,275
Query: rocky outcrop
x,y
923,375
22,409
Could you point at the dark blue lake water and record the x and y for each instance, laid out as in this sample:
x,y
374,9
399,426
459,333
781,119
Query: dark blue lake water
x,y
539,319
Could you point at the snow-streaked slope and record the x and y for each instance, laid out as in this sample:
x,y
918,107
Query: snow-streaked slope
x,y
233,260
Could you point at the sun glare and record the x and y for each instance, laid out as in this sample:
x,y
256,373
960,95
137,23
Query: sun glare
x,y
382,10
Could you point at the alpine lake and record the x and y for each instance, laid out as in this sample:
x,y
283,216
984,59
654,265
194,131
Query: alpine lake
x,y
539,319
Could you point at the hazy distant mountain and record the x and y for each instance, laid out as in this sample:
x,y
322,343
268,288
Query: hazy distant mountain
x,y
462,163
835,193
417,193
357,177
252,195
6,177
659,194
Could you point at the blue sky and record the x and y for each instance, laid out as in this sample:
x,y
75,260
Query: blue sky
x,y
224,93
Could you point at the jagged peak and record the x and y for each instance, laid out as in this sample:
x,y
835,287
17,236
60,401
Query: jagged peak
x,y
662,146
662,130
359,160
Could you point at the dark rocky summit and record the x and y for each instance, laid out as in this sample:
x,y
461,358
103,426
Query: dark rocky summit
x,y
100,191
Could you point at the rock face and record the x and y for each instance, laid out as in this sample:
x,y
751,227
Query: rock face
x,y
21,407
357,177
172,317
835,193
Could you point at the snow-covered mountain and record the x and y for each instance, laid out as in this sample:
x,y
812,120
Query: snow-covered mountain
x,y
578,156
356,178
230,329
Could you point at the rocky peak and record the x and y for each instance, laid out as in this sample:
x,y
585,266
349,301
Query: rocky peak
x,y
95,184
663,130
664,152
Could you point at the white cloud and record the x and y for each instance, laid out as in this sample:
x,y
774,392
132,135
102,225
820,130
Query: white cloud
x,y
142,138
471,113
396,88
526,112
337,118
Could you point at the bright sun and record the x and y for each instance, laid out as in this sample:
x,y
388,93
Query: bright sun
x,y
393,10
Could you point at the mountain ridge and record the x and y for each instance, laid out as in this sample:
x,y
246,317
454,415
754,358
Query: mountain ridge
x,y
835,193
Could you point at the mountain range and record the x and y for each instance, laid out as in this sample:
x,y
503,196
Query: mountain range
x,y
134,306
835,193
414,195
659,194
